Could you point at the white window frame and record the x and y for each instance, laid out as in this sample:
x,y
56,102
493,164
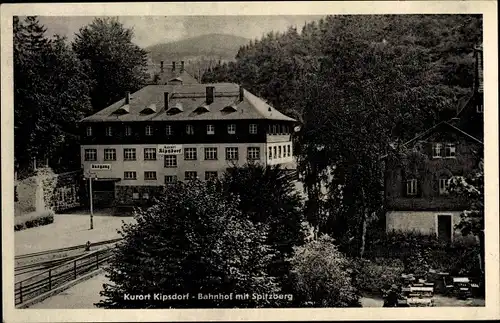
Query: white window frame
x,y
132,177
171,179
274,129
270,151
411,187
135,195
288,150
170,161
128,152
450,150
275,152
149,178
128,131
109,131
253,153
89,131
90,154
189,129
211,153
190,178
231,129
232,153
279,152
168,130
437,150
443,186
149,130
190,153
210,129
149,153
108,152
252,129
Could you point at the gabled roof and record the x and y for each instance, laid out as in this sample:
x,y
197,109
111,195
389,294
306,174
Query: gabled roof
x,y
188,99
439,125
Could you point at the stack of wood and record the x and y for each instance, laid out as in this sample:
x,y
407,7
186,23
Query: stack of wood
x,y
416,292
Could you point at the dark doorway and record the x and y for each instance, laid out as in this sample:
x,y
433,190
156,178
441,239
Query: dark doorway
x,y
444,228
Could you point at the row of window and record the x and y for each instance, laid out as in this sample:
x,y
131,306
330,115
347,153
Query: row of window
x,y
151,176
446,150
412,186
129,154
189,129
277,152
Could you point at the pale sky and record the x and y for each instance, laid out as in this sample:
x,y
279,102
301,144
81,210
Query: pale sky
x,y
151,30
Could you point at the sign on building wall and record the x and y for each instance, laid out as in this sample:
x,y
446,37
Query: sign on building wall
x,y
100,166
169,149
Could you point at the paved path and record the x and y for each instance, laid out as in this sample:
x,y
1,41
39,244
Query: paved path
x,y
80,296
66,231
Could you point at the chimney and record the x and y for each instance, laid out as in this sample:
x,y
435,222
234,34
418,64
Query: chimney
x,y
173,66
165,98
182,66
210,95
127,97
241,93
161,66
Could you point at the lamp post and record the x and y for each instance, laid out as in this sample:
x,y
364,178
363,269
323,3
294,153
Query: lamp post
x,y
91,176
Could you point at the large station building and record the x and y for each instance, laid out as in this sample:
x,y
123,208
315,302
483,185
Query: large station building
x,y
171,132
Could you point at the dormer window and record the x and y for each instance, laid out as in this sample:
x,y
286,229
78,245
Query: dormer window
x,y
176,108
229,109
123,109
190,129
210,129
89,131
149,110
109,131
479,108
149,130
231,129
202,109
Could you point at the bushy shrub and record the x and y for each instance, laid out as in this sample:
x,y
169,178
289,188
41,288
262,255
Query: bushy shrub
x,y
373,275
321,276
420,252
33,219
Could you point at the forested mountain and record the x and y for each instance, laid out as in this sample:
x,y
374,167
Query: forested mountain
x,y
217,46
357,84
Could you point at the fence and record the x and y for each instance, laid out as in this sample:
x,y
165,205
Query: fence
x,y
59,275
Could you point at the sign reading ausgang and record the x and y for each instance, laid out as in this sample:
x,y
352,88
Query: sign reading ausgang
x,y
100,166
169,149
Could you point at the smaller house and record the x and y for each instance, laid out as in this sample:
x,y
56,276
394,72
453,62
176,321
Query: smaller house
x,y
416,186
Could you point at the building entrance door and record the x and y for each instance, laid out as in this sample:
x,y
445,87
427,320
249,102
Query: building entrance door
x,y
445,229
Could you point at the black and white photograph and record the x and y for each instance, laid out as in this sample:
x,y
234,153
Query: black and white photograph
x,y
324,160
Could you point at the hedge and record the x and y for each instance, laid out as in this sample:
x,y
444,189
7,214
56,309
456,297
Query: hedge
x,y
33,219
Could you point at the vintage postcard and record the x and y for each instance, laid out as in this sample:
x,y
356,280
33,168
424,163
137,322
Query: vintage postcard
x,y
250,161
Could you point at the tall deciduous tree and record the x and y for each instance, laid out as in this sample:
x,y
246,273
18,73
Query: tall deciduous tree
x,y
117,64
193,240
51,93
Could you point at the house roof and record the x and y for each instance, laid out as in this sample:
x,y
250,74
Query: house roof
x,y
169,75
188,98
442,124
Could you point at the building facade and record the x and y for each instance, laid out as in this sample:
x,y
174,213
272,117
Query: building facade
x,y
416,190
162,134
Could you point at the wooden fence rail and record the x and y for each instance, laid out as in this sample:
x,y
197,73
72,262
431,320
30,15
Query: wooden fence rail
x,y
57,276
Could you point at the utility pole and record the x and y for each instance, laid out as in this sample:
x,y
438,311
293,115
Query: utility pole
x,y
91,203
